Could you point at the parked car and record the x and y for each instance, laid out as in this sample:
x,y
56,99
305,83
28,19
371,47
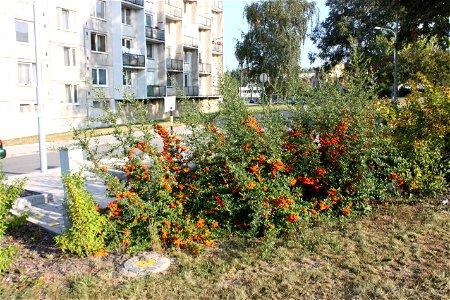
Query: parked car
x,y
293,100
2,150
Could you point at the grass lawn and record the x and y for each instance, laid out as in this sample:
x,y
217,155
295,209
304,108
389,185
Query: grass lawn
x,y
399,252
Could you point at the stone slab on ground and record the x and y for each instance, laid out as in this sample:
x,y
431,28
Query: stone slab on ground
x,y
145,263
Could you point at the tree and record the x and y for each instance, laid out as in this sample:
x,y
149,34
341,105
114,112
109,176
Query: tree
x,y
422,18
277,29
351,25
240,75
357,19
426,57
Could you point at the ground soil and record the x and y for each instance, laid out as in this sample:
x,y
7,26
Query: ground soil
x,y
39,257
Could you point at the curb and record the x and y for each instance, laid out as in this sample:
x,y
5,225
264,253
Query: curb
x,y
23,203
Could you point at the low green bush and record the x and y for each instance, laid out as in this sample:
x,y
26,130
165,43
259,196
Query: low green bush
x,y
9,192
420,138
85,233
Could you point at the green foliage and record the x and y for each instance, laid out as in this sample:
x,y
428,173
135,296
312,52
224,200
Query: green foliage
x,y
85,235
347,20
7,256
425,57
417,22
422,34
262,174
9,192
420,137
277,29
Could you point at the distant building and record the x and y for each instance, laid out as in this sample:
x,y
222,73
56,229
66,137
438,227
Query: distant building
x,y
94,48
250,92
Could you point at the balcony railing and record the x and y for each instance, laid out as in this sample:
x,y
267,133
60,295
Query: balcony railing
x,y
174,65
133,60
204,22
204,68
154,33
156,91
173,11
217,5
190,41
191,90
136,2
217,48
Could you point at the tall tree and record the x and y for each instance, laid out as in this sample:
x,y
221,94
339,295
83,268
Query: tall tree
x,y
351,24
272,44
356,19
421,18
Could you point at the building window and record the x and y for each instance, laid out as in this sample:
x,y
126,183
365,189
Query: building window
x,y
169,80
69,56
151,79
126,43
127,77
71,93
98,42
24,108
126,16
100,9
149,51
98,76
149,20
26,73
66,19
22,32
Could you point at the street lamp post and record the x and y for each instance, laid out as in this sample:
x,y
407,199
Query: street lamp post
x,y
39,100
394,32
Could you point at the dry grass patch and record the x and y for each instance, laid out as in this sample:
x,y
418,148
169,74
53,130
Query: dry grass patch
x,y
399,252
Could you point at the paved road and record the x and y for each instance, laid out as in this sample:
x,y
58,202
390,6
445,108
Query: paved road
x,y
28,163
24,159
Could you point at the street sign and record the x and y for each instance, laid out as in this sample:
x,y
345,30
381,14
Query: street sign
x,y
263,77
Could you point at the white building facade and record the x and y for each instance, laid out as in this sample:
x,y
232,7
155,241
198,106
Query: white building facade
x,y
89,50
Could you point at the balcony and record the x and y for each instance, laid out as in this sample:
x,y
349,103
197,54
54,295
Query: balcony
x,y
157,35
204,23
190,42
134,3
204,69
173,13
191,90
133,60
156,91
217,6
174,65
217,48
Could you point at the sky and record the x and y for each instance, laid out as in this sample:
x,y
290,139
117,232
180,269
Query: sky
x,y
235,23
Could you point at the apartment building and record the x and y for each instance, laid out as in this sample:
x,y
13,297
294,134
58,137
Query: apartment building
x,y
83,51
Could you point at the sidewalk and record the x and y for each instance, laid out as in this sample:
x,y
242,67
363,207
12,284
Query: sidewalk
x,y
47,210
